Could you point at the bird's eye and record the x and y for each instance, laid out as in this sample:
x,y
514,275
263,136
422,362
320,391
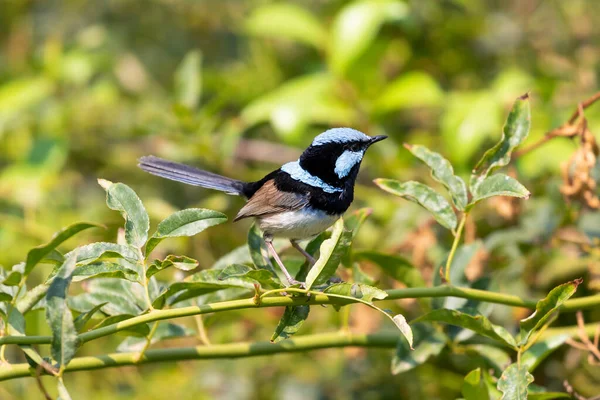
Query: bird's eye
x,y
354,147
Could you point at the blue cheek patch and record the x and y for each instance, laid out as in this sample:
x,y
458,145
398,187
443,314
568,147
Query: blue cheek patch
x,y
298,173
346,161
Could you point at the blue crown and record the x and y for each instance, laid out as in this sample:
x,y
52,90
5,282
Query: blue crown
x,y
340,135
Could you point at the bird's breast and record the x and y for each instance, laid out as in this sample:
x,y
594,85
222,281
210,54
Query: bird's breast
x,y
298,224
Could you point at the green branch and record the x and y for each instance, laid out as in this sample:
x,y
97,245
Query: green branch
x,y
241,350
283,301
233,350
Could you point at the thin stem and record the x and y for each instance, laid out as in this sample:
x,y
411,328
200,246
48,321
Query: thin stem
x,y
202,334
148,341
145,280
232,350
457,238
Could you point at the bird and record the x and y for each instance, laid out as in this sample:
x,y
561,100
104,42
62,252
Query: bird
x,y
299,200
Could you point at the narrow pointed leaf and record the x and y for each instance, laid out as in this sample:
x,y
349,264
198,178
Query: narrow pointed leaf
x,y
37,254
357,290
396,267
355,220
424,196
291,321
546,307
499,185
356,26
63,393
442,171
64,335
122,198
102,251
84,318
261,276
105,269
476,323
533,356
182,263
331,253
474,386
496,357
514,381
514,133
188,80
287,21
187,222
428,343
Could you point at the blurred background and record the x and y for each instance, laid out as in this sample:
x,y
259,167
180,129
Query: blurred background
x,y
240,87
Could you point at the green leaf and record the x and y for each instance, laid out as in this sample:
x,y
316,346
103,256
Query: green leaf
x,y
474,387
201,283
357,290
423,195
513,382
64,335
514,133
533,356
395,266
355,28
15,321
428,343
182,263
122,296
105,269
331,253
361,276
166,330
12,278
122,198
442,171
411,90
545,308
355,220
287,21
187,222
259,252
297,102
291,321
476,323
37,254
404,328
498,185
63,393
84,318
103,251
497,358
188,80
261,276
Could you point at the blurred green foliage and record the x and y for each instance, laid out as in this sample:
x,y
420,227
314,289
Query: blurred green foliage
x,y
241,87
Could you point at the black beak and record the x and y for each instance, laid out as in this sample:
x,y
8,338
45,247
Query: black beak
x,y
376,139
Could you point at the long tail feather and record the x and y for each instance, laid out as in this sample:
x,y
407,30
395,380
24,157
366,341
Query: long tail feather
x,y
190,175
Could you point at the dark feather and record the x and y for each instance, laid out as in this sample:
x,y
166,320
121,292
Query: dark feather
x,y
190,175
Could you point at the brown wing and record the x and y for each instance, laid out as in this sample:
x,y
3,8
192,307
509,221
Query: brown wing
x,y
269,200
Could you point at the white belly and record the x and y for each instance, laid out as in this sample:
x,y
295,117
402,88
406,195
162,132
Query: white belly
x,y
299,224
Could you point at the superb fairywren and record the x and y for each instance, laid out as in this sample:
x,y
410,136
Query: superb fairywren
x,y
297,201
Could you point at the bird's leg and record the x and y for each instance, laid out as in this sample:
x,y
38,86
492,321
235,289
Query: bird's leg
x,y
311,260
269,242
